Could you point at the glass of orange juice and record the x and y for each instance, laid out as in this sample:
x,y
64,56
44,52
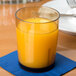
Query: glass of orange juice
x,y
37,34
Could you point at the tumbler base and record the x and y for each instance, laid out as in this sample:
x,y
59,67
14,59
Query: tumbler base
x,y
37,70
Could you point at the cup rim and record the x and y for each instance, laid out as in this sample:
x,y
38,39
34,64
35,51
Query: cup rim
x,y
33,22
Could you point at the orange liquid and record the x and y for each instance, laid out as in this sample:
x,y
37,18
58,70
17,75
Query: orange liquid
x,y
37,42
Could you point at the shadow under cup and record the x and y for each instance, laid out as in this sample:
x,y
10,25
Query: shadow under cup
x,y
37,34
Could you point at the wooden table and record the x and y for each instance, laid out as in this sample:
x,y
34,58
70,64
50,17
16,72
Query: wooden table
x,y
66,43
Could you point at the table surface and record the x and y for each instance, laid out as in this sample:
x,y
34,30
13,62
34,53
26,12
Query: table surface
x,y
66,43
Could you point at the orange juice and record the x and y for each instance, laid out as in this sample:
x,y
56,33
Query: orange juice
x,y
37,40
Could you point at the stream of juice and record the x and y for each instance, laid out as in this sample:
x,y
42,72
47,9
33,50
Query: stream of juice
x,y
37,40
